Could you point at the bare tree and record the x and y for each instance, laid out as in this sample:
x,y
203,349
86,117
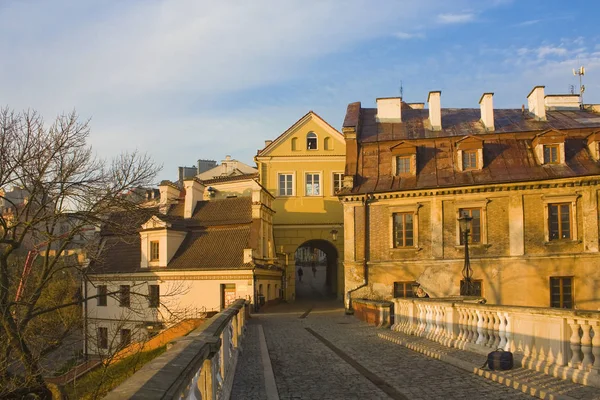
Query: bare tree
x,y
68,190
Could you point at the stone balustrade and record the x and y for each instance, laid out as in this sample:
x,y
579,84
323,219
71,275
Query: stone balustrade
x,y
378,313
560,342
198,366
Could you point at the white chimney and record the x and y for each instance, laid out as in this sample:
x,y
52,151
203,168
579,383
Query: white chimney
x,y
389,109
486,103
169,193
536,103
194,192
435,110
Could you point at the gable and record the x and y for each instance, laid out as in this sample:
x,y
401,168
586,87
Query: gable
x,y
293,142
154,223
469,143
549,137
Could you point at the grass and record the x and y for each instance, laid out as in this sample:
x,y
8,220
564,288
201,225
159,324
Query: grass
x,y
99,382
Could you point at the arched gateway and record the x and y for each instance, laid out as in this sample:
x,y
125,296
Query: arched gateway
x,y
316,269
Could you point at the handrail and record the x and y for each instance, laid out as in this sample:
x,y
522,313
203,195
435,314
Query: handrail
x,y
200,365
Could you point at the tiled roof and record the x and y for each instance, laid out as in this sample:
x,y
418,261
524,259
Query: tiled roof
x,y
236,210
230,178
508,154
119,254
213,248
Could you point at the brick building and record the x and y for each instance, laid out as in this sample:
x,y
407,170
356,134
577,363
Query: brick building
x,y
528,177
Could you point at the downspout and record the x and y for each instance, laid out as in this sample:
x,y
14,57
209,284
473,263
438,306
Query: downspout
x,y
349,310
255,299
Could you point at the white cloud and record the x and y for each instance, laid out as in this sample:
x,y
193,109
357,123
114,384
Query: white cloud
x,y
544,51
456,18
529,22
406,35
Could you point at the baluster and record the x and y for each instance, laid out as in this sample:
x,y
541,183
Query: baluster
x,y
422,320
439,329
461,323
469,326
429,318
586,346
575,344
473,333
596,346
510,341
501,331
480,329
490,329
495,331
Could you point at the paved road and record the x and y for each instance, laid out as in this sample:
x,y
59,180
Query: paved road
x,y
327,355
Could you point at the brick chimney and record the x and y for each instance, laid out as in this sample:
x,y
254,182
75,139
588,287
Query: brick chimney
x,y
536,103
351,129
435,110
169,193
486,103
194,192
389,109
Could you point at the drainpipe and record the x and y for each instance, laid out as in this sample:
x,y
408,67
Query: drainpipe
x,y
255,300
349,310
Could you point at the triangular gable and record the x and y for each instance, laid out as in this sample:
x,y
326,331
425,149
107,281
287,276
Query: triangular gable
x,y
403,148
155,222
469,143
311,115
593,137
549,136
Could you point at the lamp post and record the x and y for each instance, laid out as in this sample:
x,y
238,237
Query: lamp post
x,y
467,272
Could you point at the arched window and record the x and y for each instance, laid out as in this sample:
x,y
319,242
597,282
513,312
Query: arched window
x,y
294,144
327,144
311,141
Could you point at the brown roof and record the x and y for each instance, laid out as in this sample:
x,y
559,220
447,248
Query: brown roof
x,y
235,210
119,254
229,178
213,248
508,153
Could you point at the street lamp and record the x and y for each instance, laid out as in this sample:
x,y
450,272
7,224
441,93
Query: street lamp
x,y
467,289
334,233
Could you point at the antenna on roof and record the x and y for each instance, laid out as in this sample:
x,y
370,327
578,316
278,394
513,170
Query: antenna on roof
x,y
401,90
580,72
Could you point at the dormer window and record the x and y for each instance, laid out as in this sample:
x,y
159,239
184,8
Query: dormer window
x,y
154,250
592,141
404,159
549,147
469,153
311,141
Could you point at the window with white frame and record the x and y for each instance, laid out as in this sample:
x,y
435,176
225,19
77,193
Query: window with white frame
x,y
469,160
311,141
338,182
313,184
404,226
286,185
403,164
560,222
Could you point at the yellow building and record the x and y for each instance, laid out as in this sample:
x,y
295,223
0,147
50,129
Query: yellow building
x,y
304,169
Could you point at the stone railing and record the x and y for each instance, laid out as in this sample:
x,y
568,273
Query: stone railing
x,y
198,366
564,343
378,313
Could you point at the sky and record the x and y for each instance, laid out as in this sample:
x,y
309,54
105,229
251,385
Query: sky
x,y
183,80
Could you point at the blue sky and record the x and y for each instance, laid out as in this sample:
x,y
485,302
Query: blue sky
x,y
189,79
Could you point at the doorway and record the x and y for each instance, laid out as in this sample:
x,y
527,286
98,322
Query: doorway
x,y
316,270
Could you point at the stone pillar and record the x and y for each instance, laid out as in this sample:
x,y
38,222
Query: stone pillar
x,y
349,249
589,208
437,229
516,225
205,382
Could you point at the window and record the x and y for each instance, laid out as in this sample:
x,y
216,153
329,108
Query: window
x,y
313,184
327,144
294,144
124,295
153,296
404,289
286,184
559,221
477,287
551,154
475,225
469,159
125,337
154,250
103,338
403,165
101,292
403,229
338,182
561,292
311,141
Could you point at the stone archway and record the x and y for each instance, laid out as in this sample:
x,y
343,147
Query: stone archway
x,y
317,259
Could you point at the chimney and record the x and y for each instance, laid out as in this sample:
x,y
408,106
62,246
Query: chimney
x,y
486,103
169,193
194,192
435,110
536,103
389,109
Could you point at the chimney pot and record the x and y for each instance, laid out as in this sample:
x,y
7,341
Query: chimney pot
x,y
486,103
536,103
389,109
435,110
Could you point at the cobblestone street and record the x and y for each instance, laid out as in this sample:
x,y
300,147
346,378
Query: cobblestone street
x,y
327,355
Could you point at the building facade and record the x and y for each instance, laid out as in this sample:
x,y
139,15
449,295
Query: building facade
x,y
528,178
197,252
303,169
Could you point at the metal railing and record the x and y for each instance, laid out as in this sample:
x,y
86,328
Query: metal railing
x,y
198,366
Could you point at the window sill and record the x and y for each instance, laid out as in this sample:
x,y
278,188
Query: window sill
x,y
473,246
405,249
561,241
